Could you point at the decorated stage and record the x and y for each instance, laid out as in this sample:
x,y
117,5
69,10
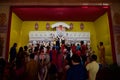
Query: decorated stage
x,y
48,36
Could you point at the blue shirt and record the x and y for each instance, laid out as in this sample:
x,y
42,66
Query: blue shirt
x,y
77,72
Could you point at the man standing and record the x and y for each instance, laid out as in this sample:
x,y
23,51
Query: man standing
x,y
92,67
77,71
13,53
101,49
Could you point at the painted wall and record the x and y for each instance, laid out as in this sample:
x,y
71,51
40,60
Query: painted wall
x,y
15,31
103,34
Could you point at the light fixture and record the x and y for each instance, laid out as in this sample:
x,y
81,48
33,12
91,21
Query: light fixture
x,y
47,26
71,25
84,7
81,26
105,7
36,26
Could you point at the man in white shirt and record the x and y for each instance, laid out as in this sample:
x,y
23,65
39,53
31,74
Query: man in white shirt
x,y
92,68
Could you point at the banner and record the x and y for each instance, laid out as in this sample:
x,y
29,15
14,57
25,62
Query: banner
x,y
51,35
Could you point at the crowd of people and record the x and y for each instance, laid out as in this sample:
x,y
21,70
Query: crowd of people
x,y
59,62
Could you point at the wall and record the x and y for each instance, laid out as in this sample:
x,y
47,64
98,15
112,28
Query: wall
x,y
4,17
103,34
115,10
15,31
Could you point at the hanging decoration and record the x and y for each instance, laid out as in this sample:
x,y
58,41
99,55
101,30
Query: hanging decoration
x,y
81,26
36,26
71,26
60,24
47,26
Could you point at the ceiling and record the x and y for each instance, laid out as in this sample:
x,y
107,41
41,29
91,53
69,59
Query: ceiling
x,y
59,13
22,2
